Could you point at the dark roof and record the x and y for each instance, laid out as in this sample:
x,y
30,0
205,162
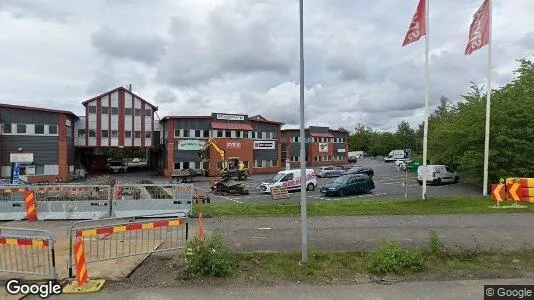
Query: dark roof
x,y
118,89
75,117
308,130
210,117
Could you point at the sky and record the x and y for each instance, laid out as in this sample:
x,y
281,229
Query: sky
x,y
194,57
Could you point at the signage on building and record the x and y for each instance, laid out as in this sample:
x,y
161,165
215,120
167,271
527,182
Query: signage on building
x,y
30,170
190,144
21,157
233,145
15,173
230,117
323,147
264,144
341,150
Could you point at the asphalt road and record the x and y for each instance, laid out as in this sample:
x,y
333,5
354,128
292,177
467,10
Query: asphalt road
x,y
511,231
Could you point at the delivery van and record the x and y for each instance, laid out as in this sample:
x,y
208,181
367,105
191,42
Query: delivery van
x,y
291,180
437,174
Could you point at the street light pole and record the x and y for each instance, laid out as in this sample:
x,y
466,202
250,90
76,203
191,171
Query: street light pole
x,y
303,203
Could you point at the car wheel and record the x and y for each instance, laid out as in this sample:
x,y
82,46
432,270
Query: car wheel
x,y
178,180
420,182
310,187
189,179
439,181
456,179
341,193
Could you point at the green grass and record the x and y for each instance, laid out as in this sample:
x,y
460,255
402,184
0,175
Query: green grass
x,y
451,205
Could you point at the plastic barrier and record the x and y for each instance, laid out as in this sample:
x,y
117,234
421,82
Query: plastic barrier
x,y
12,206
27,251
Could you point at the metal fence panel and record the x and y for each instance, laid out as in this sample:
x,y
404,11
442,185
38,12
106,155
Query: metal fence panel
x,y
27,251
73,202
115,238
12,203
131,200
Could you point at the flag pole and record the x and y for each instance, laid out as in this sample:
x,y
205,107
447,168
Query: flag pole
x,y
303,203
488,103
425,131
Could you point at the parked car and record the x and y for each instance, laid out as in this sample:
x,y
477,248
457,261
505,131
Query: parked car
x,y
290,179
348,184
328,172
359,170
437,174
135,160
116,166
347,167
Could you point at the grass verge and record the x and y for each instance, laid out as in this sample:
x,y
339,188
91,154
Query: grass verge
x,y
449,205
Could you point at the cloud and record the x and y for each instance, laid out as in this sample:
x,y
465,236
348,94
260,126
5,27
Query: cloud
x,y
46,10
165,96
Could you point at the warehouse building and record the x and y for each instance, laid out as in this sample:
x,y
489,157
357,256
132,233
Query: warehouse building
x,y
40,139
324,146
254,140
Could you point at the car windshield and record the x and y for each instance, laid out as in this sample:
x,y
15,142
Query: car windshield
x,y
277,177
342,179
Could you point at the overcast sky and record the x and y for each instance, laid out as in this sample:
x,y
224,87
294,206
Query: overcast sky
x,y
202,56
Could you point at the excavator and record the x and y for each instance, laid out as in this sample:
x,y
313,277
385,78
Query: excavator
x,y
230,167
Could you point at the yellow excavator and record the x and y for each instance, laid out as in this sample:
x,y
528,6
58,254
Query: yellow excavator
x,y
230,167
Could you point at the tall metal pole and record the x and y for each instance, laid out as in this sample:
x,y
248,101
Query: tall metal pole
x,y
427,83
303,203
488,105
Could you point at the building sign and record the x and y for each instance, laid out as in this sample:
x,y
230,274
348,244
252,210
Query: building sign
x,y
233,145
341,150
264,144
15,173
190,144
323,147
21,157
30,170
230,117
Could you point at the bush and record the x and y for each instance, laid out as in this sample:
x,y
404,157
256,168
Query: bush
x,y
389,257
434,245
208,258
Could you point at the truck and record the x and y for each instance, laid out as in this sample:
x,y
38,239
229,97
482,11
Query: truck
x,y
399,155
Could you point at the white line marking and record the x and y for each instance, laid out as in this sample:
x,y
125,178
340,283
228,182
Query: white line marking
x,y
264,228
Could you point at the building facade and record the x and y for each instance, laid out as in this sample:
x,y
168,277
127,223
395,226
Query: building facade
x,y
42,140
254,140
324,146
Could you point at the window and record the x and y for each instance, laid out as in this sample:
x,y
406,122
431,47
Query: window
x,y
271,135
137,134
245,134
206,133
197,133
246,164
148,134
295,139
263,135
52,129
176,132
21,128
92,133
104,110
114,111
238,134
288,177
253,134
228,133
39,129
114,133
128,111
186,133
273,163
7,128
219,133
92,109
137,112
148,113
263,163
105,133
128,134
81,132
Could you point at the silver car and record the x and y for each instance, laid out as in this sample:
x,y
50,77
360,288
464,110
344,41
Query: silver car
x,y
328,172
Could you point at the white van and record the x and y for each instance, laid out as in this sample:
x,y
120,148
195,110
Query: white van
x,y
291,180
437,174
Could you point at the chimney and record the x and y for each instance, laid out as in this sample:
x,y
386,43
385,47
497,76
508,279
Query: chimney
x,y
130,87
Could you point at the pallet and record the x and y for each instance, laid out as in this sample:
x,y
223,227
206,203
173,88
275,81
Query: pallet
x,y
279,192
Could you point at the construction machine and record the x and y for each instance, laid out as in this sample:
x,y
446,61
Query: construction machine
x,y
231,167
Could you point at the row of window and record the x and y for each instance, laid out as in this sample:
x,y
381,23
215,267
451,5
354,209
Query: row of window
x,y
329,158
204,166
114,133
29,128
296,139
115,111
265,163
189,133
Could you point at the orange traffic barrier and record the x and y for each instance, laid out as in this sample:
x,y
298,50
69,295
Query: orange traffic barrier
x,y
81,267
200,227
31,206
498,192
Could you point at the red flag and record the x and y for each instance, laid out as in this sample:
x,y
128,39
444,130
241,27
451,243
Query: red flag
x,y
418,26
479,29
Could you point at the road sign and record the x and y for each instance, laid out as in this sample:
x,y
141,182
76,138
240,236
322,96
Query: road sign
x,y
498,192
15,175
513,191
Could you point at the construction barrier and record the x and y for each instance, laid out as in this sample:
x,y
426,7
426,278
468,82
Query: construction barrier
x,y
132,200
31,206
114,238
27,251
73,202
12,203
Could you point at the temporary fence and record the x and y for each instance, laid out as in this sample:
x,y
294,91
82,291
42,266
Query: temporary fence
x,y
17,203
27,251
114,238
131,200
73,202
